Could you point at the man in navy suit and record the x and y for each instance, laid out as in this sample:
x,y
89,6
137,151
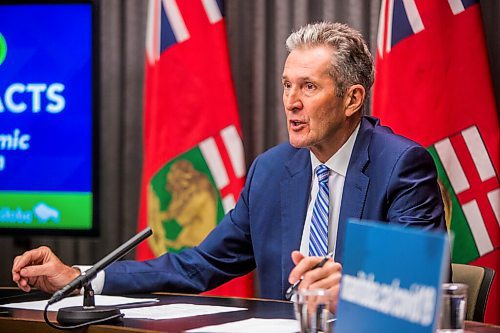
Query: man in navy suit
x,y
372,174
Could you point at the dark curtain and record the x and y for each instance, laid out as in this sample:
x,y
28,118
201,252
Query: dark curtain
x,y
256,30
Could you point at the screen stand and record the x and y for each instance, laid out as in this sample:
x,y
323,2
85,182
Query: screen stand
x,y
75,315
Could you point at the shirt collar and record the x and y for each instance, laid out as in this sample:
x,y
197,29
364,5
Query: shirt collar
x,y
340,160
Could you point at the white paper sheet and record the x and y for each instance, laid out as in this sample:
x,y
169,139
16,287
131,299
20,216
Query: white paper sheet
x,y
253,325
180,310
78,301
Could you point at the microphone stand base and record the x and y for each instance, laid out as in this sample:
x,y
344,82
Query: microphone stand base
x,y
75,315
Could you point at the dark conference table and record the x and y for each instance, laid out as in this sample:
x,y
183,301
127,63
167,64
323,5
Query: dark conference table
x,y
32,321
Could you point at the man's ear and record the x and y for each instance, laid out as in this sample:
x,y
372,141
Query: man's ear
x,y
354,99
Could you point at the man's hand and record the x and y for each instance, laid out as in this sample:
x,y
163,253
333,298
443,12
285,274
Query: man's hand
x,y
41,268
326,277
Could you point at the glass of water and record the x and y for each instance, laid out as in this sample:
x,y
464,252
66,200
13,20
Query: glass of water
x,y
312,309
453,308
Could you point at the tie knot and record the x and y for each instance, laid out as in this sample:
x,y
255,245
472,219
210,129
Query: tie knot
x,y
322,171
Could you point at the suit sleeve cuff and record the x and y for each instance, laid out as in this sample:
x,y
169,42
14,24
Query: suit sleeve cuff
x,y
97,282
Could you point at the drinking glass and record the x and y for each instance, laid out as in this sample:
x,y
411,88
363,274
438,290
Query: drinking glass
x,y
453,308
312,308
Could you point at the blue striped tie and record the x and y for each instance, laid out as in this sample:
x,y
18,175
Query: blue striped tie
x,y
318,239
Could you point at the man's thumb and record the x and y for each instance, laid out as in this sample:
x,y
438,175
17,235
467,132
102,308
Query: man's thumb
x,y
33,271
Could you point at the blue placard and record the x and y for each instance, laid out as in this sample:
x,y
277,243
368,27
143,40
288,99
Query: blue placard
x,y
391,278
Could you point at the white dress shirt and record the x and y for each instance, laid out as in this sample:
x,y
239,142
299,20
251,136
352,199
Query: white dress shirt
x,y
338,164
97,283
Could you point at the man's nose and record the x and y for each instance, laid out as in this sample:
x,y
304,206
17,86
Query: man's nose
x,y
292,100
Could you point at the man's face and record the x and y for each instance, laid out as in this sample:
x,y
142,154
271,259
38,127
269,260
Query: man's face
x,y
315,115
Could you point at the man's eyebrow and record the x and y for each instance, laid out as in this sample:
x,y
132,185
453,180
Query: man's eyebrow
x,y
301,78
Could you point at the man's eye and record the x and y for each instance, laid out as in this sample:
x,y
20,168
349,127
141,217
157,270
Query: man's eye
x,y
310,86
286,85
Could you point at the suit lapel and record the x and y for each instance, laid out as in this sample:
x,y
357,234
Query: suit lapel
x,y
356,183
295,190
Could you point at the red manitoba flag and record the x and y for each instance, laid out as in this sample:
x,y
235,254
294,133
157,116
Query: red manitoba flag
x,y
194,167
433,85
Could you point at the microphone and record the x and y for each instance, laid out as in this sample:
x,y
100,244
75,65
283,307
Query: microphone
x,y
90,312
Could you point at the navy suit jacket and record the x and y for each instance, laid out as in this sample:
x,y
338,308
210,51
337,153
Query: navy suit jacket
x,y
389,178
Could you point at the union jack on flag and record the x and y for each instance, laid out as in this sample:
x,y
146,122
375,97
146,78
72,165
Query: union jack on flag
x,y
404,20
166,26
